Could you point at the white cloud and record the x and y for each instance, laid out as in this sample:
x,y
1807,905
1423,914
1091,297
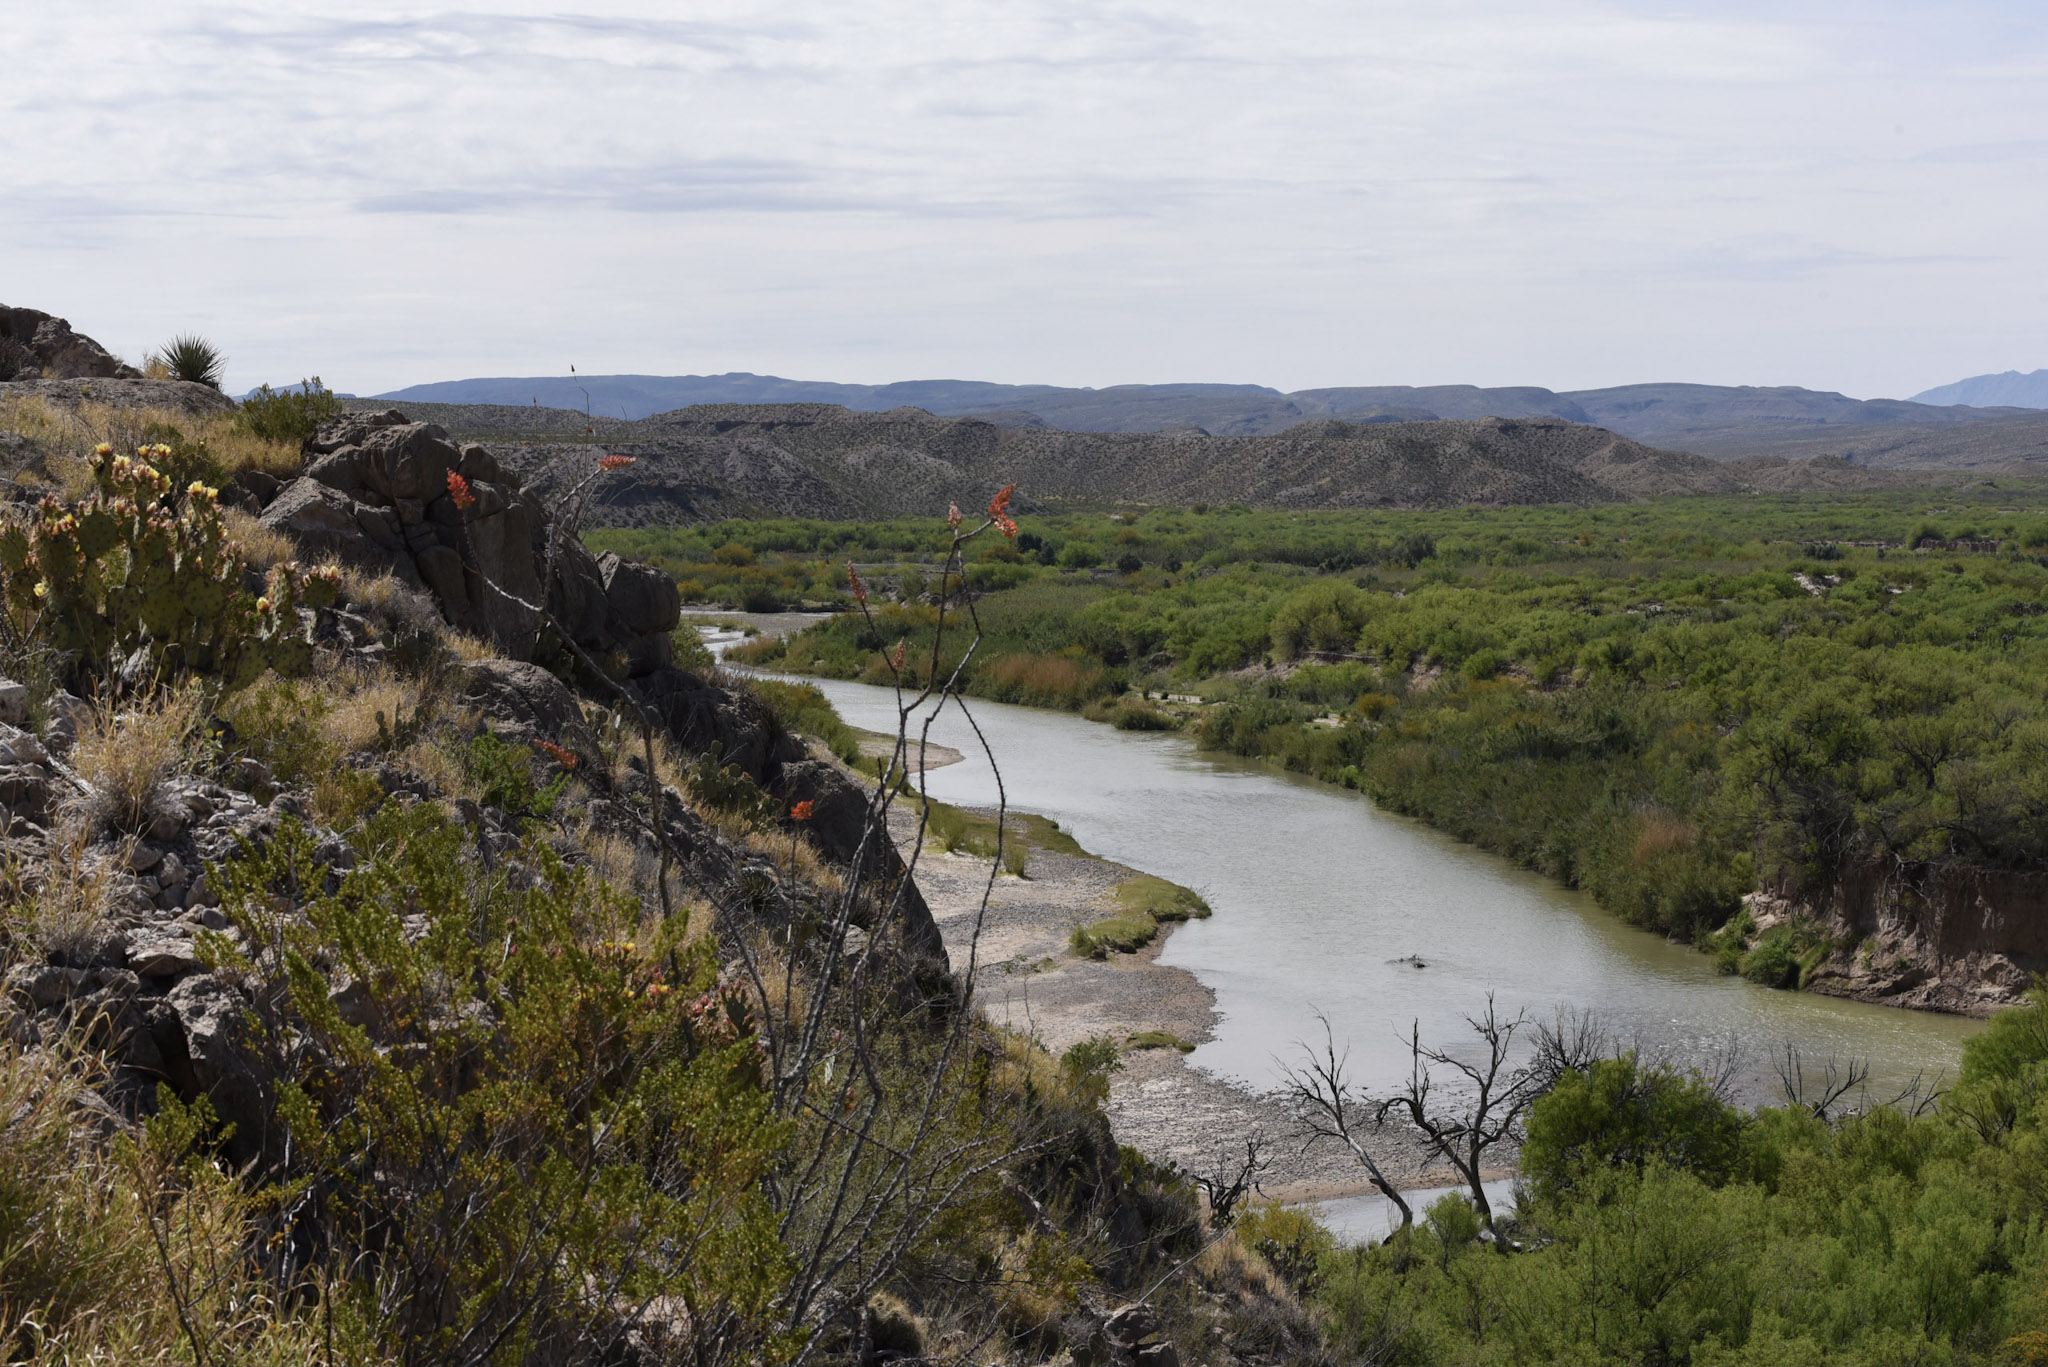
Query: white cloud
x,y
1562,192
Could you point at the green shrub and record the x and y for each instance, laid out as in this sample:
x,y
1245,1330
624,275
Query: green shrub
x,y
520,1105
1159,1039
504,774
1619,1113
1139,716
803,708
1728,944
2014,1041
1772,961
1324,618
1087,1066
1785,956
291,415
1294,1243
1454,1222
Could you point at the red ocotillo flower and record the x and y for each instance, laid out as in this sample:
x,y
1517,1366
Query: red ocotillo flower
x,y
896,659
458,490
565,758
616,462
801,812
860,590
998,511
953,516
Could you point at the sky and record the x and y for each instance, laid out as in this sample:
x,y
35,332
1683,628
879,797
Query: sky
x,y
1568,193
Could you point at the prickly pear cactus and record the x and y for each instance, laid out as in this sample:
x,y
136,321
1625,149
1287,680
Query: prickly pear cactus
x,y
141,564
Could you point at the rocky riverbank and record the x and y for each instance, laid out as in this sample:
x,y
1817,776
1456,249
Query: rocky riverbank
x,y
1030,980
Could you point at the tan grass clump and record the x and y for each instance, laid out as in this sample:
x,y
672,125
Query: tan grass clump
x,y
393,601
261,546
469,649
128,757
58,904
356,697
116,1249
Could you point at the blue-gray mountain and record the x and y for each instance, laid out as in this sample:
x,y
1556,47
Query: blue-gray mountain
x,y
1712,420
2010,390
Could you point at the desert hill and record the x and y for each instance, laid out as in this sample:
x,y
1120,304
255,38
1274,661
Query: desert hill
x,y
2008,390
1725,422
826,460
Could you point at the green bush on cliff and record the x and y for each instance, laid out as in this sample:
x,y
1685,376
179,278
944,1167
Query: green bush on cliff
x,y
516,1105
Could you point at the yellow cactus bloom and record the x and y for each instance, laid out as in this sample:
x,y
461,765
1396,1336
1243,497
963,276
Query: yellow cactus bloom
x,y
103,449
198,489
42,589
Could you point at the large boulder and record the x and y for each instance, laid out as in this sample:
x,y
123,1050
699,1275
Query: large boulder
x,y
642,599
703,718
352,429
379,494
326,524
844,827
37,346
200,1032
526,703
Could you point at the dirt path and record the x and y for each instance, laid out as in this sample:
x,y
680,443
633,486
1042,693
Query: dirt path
x,y
1029,980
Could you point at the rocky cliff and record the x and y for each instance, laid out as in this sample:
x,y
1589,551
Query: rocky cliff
x,y
1966,942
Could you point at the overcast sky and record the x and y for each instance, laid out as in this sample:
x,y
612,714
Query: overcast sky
x,y
1846,196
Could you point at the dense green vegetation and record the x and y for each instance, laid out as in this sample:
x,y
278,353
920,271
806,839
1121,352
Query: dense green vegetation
x,y
1660,1225
1665,704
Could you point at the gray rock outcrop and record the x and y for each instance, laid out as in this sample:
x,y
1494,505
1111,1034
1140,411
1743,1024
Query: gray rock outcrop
x,y
377,496
37,346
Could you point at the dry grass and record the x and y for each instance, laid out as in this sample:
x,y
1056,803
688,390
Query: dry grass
x,y
57,904
355,697
261,545
469,649
72,432
129,757
392,601
98,1239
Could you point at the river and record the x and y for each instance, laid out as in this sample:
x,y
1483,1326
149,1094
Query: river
x,y
1322,900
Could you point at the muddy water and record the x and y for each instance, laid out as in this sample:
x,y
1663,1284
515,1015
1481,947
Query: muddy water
x,y
1328,907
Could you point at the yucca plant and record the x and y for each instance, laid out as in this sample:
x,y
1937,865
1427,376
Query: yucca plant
x,y
190,357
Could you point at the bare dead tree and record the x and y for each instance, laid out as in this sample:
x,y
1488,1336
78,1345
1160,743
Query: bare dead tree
x,y
1571,1042
1227,1187
1499,1092
1919,1096
1818,1096
1328,1110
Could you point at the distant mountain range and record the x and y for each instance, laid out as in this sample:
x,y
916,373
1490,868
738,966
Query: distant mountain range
x,y
2010,390
1721,421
